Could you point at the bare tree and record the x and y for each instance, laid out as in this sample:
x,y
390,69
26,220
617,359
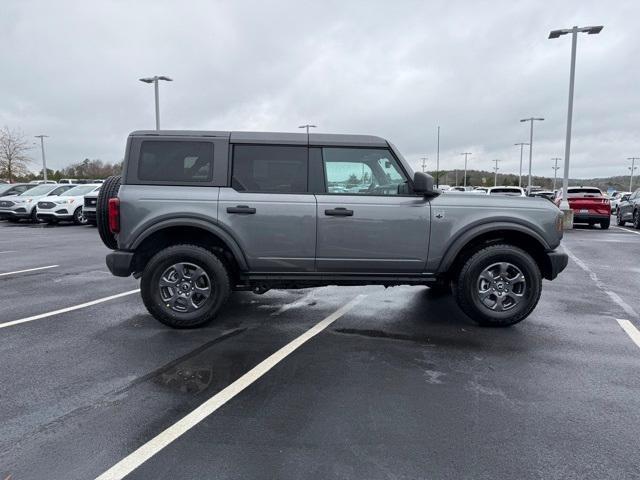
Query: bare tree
x,y
14,158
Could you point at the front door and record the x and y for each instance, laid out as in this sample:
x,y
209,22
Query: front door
x,y
268,209
367,223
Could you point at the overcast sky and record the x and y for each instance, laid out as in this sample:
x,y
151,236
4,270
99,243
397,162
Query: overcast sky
x,y
395,69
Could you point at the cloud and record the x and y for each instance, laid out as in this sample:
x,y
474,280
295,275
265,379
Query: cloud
x,y
395,69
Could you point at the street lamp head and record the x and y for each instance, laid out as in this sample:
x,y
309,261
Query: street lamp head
x,y
594,30
557,33
162,77
41,136
307,126
147,80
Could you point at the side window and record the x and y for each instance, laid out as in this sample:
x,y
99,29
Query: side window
x,y
175,161
362,171
269,168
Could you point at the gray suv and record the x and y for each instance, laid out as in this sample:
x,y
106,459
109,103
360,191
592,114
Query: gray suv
x,y
199,214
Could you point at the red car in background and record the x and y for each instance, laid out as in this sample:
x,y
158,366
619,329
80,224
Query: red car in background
x,y
589,205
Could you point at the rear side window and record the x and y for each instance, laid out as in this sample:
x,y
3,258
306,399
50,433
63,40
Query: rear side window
x,y
269,168
176,161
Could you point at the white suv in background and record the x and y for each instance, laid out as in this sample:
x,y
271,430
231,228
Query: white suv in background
x,y
67,206
507,191
23,206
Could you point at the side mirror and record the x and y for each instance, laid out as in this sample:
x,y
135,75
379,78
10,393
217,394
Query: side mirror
x,y
423,184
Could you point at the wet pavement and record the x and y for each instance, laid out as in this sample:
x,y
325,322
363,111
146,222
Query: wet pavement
x,y
403,385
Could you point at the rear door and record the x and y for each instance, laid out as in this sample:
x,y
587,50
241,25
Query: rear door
x,y
365,223
268,208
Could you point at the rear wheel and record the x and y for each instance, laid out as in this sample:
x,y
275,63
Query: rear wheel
x,y
619,221
184,286
604,224
108,191
498,286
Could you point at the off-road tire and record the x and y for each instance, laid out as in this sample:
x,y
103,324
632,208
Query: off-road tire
x,y
201,257
108,191
465,286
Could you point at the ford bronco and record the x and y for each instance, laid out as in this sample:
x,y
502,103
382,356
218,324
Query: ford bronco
x,y
197,215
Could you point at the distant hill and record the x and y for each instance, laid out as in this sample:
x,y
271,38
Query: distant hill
x,y
485,179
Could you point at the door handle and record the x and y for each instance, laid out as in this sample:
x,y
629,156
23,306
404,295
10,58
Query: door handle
x,y
339,212
241,209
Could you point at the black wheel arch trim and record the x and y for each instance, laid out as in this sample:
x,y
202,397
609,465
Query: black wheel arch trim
x,y
187,221
465,237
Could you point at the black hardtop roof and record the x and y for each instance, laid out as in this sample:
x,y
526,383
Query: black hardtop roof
x,y
280,138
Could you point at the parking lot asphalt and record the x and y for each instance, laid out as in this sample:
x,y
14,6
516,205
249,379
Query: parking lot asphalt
x,y
401,385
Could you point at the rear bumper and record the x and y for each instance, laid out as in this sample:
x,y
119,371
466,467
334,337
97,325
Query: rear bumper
x,y
556,263
589,217
120,263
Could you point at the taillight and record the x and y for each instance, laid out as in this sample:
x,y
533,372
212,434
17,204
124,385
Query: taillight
x,y
114,215
605,201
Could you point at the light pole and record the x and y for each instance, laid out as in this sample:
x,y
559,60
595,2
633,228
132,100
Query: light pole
x,y
520,174
307,126
438,160
555,172
632,168
424,164
466,154
564,204
495,180
44,161
530,119
154,80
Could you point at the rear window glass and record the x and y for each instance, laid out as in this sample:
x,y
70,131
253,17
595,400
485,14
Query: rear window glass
x,y
511,191
175,161
269,168
584,192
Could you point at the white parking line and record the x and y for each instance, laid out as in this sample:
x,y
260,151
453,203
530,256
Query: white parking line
x,y
28,270
8,251
631,330
153,446
627,230
68,309
612,295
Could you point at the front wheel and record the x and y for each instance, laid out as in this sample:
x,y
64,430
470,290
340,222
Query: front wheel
x,y
78,217
498,286
184,286
619,221
636,220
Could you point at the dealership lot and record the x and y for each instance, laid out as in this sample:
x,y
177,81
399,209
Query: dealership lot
x,y
400,385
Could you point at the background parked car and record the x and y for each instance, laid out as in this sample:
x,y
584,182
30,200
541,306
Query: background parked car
x,y
508,191
23,206
13,189
65,207
617,198
589,205
548,194
629,210
89,207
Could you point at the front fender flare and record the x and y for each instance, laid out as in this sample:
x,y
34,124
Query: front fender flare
x,y
463,238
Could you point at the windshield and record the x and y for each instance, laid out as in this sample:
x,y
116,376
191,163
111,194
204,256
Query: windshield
x,y
39,190
79,190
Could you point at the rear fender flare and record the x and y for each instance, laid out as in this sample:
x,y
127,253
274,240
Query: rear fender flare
x,y
216,230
